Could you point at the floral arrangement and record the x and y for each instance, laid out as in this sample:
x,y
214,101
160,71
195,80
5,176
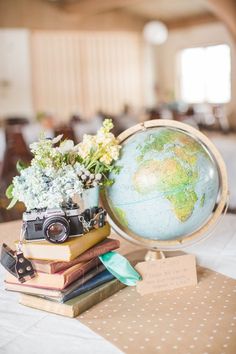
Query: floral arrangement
x,y
59,169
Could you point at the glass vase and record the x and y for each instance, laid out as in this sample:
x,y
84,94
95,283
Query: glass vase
x,y
90,197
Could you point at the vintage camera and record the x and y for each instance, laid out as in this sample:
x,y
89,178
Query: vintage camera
x,y
56,225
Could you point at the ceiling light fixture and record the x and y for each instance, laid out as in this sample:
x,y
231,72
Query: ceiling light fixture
x,y
155,32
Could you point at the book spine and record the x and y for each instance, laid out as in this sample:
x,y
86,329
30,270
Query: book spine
x,y
93,298
89,285
98,296
78,273
46,305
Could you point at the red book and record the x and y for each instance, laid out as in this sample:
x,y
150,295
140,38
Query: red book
x,y
51,267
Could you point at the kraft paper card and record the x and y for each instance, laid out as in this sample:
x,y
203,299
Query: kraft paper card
x,y
166,274
197,319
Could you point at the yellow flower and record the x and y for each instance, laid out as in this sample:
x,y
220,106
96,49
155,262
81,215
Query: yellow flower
x,y
84,148
103,146
106,158
105,138
114,152
89,140
83,151
107,125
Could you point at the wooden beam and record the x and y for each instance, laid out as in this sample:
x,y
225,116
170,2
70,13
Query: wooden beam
x,y
94,6
190,21
36,14
225,10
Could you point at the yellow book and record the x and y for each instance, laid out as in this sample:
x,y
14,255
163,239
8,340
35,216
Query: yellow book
x,y
66,251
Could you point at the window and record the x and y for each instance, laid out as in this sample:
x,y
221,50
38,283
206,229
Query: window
x,y
204,74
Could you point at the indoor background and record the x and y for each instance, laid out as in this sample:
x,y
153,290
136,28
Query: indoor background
x,y
65,65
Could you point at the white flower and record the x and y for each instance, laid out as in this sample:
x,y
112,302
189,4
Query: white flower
x,y
55,175
66,146
57,139
46,187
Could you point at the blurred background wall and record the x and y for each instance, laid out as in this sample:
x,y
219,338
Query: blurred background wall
x,y
208,34
90,55
76,61
65,65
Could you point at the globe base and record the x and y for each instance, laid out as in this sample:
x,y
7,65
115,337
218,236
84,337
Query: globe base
x,y
154,255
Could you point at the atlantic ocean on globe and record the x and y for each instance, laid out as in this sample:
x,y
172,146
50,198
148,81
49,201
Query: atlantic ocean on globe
x,y
167,186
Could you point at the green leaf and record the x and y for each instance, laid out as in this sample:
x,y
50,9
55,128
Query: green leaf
x,y
13,202
9,191
20,165
97,167
117,169
108,182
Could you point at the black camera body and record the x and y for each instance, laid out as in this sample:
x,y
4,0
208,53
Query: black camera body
x,y
57,225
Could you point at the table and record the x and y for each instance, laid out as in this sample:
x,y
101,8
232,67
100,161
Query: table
x,y
34,332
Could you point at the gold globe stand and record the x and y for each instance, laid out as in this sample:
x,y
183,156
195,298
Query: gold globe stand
x,y
154,255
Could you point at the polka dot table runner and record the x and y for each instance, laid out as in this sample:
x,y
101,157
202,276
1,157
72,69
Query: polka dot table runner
x,y
191,320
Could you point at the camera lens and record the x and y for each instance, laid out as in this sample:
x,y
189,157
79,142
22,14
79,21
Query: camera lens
x,y
56,229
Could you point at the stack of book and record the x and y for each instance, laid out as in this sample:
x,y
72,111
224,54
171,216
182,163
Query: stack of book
x,y
70,277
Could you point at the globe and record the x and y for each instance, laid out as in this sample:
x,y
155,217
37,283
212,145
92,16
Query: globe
x,y
170,183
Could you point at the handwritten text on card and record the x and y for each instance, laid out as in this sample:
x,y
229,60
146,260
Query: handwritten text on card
x,y
166,274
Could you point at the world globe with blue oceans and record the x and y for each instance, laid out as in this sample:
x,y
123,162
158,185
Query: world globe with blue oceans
x,y
167,186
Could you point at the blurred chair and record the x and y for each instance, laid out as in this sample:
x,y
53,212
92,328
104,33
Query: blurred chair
x,y
91,126
154,113
16,149
66,131
16,121
75,119
205,116
219,112
126,119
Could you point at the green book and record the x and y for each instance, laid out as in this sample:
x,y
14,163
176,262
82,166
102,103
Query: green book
x,y
77,305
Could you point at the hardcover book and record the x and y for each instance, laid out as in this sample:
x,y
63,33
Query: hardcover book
x,y
57,295
66,251
105,246
58,280
77,305
57,266
101,278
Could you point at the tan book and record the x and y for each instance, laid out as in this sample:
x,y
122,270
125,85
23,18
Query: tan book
x,y
77,305
58,280
55,294
51,266
66,251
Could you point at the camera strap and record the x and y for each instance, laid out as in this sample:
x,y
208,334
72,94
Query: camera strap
x,y
98,220
15,262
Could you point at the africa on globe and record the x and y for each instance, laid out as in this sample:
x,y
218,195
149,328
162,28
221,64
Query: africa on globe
x,y
168,185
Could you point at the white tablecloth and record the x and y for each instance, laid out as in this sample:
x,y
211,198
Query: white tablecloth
x,y
35,332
